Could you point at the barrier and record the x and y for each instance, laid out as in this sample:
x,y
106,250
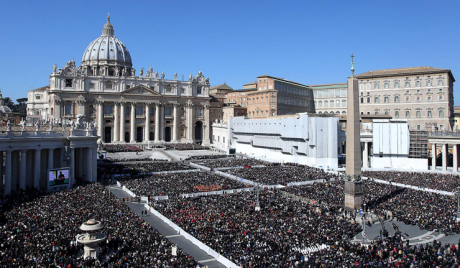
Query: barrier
x,y
412,187
218,192
233,177
128,191
192,239
173,171
304,182
238,167
199,166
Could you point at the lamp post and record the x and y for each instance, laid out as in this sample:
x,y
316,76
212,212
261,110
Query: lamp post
x,y
457,194
363,217
257,207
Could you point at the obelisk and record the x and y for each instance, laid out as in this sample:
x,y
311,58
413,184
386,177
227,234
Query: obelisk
x,y
353,183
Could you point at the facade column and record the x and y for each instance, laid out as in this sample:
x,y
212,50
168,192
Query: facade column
x,y
122,122
50,158
176,123
37,168
189,122
162,122
444,157
72,166
116,123
100,119
157,122
22,172
1,171
455,160
8,173
366,155
433,156
89,164
206,126
147,123
133,122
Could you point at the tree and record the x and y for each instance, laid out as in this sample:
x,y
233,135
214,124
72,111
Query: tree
x,y
21,101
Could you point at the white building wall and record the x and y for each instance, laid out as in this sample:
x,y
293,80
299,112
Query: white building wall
x,y
302,139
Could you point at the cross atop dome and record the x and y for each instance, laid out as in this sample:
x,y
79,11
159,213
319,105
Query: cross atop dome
x,y
108,28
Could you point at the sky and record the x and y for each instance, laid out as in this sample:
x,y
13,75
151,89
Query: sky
x,y
232,42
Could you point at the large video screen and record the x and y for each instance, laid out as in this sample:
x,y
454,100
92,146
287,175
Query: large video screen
x,y
101,155
58,177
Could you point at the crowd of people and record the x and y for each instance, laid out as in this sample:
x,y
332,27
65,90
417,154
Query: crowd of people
x,y
208,156
117,148
232,162
430,180
184,146
136,168
280,174
132,159
174,184
39,230
279,234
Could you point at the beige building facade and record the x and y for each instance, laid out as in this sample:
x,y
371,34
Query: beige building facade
x,y
330,98
422,95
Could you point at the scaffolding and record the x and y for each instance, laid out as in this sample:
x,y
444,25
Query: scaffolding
x,y
418,147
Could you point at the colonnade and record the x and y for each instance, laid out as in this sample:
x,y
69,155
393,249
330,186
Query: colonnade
x,y
24,168
444,152
118,114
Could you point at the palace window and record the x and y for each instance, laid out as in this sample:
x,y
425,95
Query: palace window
x,y
68,83
376,99
430,114
376,86
397,114
396,98
418,113
440,82
407,84
441,113
108,85
387,85
386,99
407,113
91,85
428,83
198,90
139,110
168,110
396,84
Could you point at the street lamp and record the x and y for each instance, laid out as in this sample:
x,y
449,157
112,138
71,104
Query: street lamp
x,y
363,218
257,208
457,194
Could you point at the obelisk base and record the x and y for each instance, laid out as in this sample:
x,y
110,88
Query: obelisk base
x,y
353,194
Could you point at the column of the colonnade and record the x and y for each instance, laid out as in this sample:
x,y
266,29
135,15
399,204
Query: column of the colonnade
x,y
50,158
116,123
122,122
147,123
100,119
444,157
37,168
157,122
8,173
23,169
72,165
89,164
133,123
176,123
206,125
1,171
455,160
433,156
366,155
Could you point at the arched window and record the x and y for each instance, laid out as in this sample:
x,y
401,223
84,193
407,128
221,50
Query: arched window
x,y
326,103
344,103
320,103
331,104
68,108
108,109
140,110
320,112
344,112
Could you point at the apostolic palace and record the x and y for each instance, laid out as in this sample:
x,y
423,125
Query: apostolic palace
x,y
126,107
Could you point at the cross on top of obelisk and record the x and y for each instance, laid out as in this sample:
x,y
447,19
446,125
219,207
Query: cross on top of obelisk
x,y
352,65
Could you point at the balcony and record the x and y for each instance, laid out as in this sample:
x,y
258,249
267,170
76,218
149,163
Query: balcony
x,y
108,115
140,116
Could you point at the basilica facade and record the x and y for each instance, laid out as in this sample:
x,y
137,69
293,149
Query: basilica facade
x,y
126,107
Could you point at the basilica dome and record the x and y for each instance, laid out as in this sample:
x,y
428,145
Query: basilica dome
x,y
107,50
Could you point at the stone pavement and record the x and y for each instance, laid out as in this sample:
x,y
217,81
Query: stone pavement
x,y
171,234
410,232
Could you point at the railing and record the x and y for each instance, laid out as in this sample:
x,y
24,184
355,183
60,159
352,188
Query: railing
x,y
108,115
140,116
444,133
48,133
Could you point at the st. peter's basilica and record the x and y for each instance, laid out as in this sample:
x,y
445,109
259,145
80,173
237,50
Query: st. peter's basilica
x,y
126,107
